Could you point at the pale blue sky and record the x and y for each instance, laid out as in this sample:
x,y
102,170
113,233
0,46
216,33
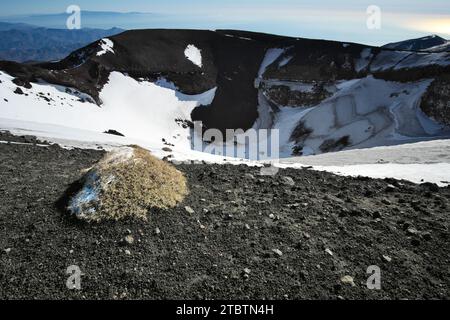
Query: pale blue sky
x,y
343,20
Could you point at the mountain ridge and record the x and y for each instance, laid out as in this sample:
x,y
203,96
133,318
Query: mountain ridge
x,y
260,79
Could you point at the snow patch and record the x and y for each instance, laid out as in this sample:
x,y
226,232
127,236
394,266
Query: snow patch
x,y
364,60
366,113
270,57
284,61
438,173
106,45
193,54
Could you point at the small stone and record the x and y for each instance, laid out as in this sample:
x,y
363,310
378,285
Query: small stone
x,y
288,181
166,149
247,227
272,216
157,231
390,188
128,252
247,271
433,187
427,236
387,258
189,210
348,280
7,250
376,215
18,91
277,252
129,239
411,231
329,251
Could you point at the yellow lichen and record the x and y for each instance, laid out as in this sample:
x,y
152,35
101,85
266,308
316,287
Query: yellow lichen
x,y
137,184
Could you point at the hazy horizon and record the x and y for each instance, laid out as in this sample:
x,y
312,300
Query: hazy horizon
x,y
343,21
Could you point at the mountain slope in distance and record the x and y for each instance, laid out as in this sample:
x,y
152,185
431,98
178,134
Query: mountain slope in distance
x,y
22,42
323,96
428,43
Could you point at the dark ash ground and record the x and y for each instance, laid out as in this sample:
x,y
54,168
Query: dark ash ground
x,y
203,255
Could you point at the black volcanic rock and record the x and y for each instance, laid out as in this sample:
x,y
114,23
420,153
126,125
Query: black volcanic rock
x,y
18,91
436,101
114,132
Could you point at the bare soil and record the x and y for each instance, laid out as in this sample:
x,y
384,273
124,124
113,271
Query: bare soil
x,y
246,237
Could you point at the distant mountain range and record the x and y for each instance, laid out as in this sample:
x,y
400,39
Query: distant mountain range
x,y
23,42
44,37
431,43
93,19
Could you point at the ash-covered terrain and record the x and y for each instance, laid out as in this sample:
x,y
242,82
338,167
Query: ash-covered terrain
x,y
300,234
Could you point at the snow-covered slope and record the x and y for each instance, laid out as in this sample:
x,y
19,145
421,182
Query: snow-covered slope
x,y
138,110
367,113
317,96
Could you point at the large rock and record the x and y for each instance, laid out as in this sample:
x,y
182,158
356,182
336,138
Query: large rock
x,y
126,183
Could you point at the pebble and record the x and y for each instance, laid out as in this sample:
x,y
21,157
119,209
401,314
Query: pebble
x,y
157,231
189,210
390,188
329,251
376,215
412,231
128,252
348,280
387,258
7,250
246,226
277,252
247,271
288,181
129,239
272,216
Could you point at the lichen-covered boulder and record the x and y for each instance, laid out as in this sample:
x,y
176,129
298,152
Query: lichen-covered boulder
x,y
126,183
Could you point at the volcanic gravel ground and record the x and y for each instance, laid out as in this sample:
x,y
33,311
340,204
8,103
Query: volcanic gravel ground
x,y
237,235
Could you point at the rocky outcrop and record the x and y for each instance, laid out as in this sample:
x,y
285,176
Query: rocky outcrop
x,y
436,101
284,95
